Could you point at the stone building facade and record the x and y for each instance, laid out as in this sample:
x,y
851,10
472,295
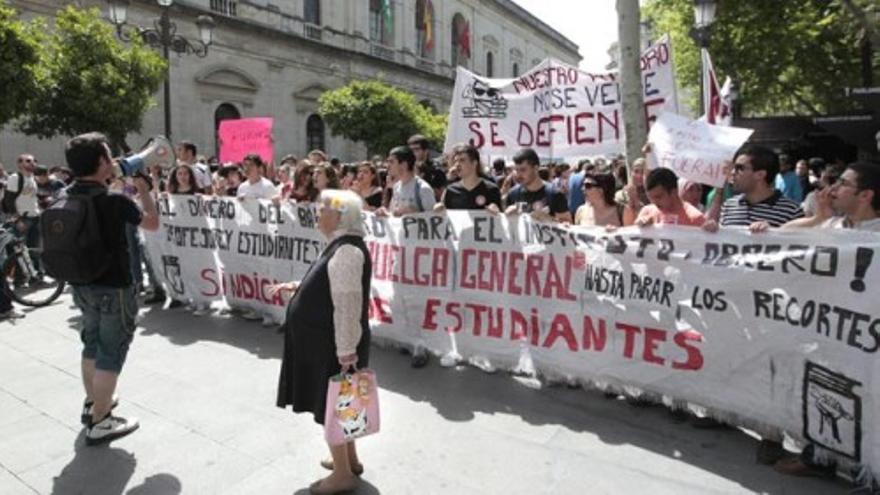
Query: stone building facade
x,y
274,58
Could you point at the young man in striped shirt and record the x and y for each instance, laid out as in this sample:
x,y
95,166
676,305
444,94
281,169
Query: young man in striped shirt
x,y
758,205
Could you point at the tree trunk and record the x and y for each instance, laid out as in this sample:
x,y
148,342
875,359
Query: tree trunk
x,y
631,91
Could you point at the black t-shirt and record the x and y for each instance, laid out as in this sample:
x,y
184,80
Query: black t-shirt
x,y
114,211
431,173
374,200
458,197
536,200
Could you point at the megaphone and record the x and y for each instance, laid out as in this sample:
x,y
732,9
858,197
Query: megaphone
x,y
157,151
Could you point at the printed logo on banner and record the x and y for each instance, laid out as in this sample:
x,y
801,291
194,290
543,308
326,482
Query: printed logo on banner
x,y
171,268
832,411
483,101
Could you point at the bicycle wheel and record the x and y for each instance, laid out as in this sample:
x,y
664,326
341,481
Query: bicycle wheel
x,y
24,286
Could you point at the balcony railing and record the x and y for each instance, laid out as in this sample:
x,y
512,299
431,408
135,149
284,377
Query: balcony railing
x,y
382,52
225,7
312,31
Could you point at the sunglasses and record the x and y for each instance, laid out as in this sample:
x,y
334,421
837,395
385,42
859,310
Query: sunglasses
x,y
491,92
590,185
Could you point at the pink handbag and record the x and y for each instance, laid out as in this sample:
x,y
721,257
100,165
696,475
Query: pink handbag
x,y
352,407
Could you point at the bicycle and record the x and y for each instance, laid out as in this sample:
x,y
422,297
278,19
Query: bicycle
x,y
20,279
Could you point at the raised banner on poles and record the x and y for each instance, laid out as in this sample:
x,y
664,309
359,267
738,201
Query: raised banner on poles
x,y
775,332
694,149
555,108
239,137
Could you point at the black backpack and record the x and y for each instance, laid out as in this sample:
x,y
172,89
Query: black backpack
x,y
73,246
8,204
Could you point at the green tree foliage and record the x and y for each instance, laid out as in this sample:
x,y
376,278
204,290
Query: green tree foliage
x,y
791,57
89,81
19,56
379,116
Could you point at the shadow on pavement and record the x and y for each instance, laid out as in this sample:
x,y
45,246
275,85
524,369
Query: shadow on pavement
x,y
106,470
363,488
182,328
459,394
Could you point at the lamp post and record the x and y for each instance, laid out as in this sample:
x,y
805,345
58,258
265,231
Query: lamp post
x,y
704,16
163,35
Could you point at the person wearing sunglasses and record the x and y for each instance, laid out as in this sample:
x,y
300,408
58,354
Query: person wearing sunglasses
x,y
758,205
599,209
21,199
851,202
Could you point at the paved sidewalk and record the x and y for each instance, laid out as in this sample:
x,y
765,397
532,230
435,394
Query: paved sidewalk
x,y
204,390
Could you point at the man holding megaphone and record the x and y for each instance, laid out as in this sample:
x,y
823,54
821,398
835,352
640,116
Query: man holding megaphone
x,y
84,243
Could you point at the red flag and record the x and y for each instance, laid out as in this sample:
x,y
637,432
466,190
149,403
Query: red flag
x,y
716,101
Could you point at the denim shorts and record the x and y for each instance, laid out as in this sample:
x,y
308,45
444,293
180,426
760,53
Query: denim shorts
x,y
108,323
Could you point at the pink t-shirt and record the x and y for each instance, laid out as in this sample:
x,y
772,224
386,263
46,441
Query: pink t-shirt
x,y
685,214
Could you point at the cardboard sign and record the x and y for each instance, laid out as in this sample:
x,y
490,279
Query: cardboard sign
x,y
240,137
693,149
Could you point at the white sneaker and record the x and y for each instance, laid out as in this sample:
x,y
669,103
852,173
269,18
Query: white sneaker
x,y
268,321
201,310
449,360
251,315
109,429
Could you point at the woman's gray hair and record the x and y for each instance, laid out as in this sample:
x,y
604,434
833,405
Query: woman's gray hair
x,y
349,205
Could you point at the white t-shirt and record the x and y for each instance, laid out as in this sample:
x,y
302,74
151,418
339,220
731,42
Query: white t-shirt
x,y
26,202
203,175
404,195
261,190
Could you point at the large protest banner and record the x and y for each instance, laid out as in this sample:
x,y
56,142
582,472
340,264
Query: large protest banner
x,y
555,108
776,332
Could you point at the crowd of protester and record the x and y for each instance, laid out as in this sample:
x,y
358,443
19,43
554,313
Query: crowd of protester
x,y
763,190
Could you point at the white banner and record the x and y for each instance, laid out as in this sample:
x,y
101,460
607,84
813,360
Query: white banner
x,y
693,149
773,332
555,108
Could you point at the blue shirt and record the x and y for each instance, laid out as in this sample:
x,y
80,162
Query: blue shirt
x,y
575,193
790,186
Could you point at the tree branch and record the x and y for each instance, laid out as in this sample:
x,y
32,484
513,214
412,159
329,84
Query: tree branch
x,y
862,17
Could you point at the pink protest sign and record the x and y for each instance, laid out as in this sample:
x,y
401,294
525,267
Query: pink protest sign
x,y
240,137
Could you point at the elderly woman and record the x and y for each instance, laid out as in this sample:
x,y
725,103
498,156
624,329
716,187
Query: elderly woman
x,y
326,329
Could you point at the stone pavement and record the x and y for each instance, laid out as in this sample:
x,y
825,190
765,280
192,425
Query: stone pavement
x,y
204,390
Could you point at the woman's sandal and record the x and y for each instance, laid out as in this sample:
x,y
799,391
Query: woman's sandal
x,y
357,469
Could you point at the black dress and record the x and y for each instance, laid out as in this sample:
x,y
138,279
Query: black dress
x,y
309,359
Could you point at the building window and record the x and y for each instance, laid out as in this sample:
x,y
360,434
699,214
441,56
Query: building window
x,y
515,69
425,29
381,21
312,12
461,41
490,66
315,133
225,111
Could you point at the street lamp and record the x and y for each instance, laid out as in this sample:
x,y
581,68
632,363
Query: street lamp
x,y
163,35
704,16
